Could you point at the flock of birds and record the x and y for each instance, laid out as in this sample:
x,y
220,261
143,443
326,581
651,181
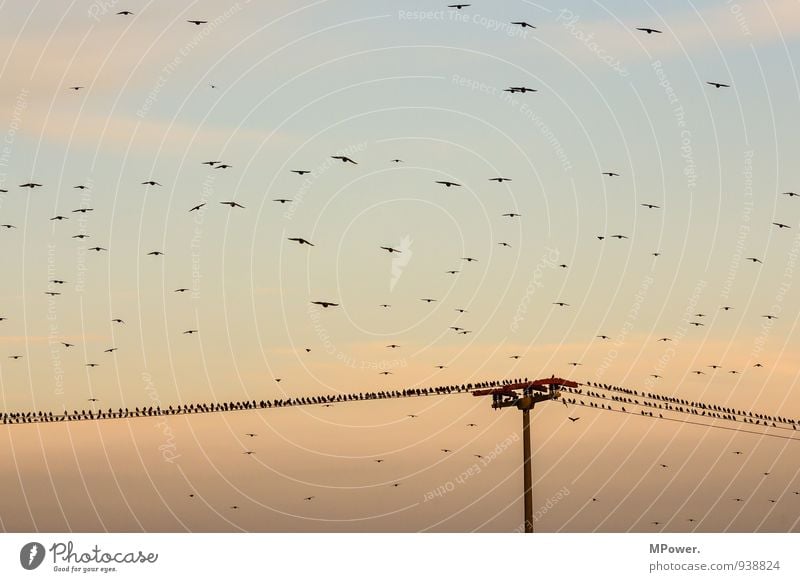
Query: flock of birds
x,y
620,397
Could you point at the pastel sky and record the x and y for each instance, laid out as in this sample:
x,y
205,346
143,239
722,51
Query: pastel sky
x,y
270,87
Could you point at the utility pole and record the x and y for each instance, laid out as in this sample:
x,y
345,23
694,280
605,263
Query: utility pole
x,y
531,393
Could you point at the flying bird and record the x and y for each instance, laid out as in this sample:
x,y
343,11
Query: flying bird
x,y
391,250
282,200
574,418
446,183
301,172
155,253
523,24
458,6
30,185
301,241
649,30
650,206
610,174
755,260
150,183
232,204
780,225
561,304
717,85
197,22
325,304
198,207
344,159
189,331
499,180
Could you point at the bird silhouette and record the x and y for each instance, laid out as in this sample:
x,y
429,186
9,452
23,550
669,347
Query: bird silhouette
x,y
781,225
499,180
446,183
150,183
155,253
301,172
650,206
391,250
611,174
300,241
520,90
523,24
30,185
282,200
649,30
198,207
232,204
344,159
574,418
325,304
197,22
458,6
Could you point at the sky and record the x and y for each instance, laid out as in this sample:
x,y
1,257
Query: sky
x,y
273,87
